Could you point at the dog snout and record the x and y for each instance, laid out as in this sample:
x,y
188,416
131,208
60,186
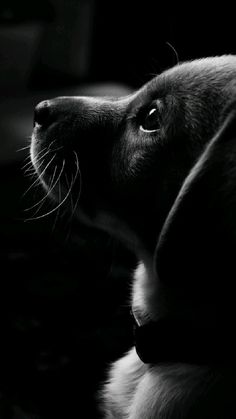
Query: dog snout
x,y
85,111
57,110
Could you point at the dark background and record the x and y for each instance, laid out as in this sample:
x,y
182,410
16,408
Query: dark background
x,y
64,312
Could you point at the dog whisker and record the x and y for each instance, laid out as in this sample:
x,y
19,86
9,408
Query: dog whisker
x,y
37,182
51,187
54,209
58,210
36,159
23,148
32,169
59,176
40,175
71,184
30,174
27,158
78,172
175,52
42,201
71,200
51,143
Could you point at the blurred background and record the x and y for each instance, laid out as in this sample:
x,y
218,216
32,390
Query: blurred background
x,y
64,289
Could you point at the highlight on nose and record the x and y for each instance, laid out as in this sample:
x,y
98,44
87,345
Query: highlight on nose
x,y
42,113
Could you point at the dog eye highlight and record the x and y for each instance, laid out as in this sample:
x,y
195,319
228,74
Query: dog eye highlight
x,y
151,122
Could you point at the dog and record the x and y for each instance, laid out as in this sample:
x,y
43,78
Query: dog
x,y
157,169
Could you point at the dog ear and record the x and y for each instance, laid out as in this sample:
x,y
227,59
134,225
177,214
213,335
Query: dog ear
x,y
197,244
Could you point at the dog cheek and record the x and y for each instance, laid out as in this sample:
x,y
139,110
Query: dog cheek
x,y
129,165
135,163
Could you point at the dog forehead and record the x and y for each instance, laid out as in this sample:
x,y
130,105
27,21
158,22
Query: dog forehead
x,y
193,77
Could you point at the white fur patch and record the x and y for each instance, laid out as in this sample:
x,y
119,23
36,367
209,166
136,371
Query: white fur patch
x,y
138,391
145,292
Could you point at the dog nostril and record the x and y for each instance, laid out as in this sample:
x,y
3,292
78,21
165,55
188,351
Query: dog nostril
x,y
42,113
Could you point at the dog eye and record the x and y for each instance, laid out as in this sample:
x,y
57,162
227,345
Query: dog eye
x,y
151,121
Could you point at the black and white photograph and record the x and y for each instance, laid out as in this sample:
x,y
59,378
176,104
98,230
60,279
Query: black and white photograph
x,y
117,210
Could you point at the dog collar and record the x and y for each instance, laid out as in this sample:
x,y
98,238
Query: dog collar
x,y
168,341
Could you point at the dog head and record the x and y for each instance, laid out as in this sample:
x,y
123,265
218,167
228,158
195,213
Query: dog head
x,y
132,153
156,169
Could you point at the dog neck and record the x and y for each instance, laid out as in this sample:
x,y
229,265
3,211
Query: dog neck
x,y
161,338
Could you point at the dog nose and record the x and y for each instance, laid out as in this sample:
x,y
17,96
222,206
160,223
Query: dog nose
x,y
42,113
